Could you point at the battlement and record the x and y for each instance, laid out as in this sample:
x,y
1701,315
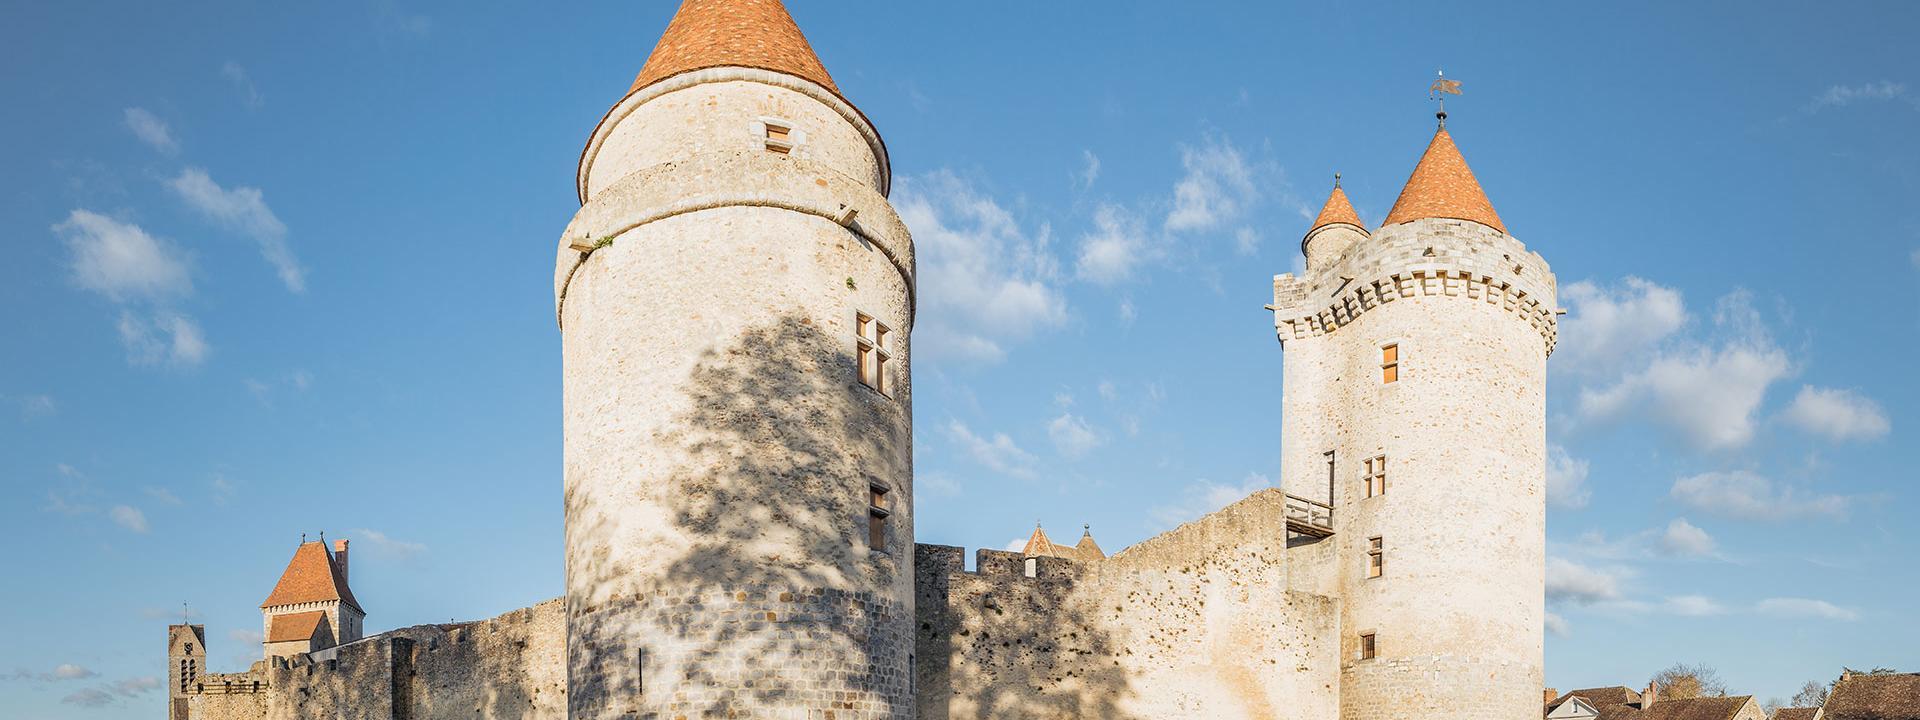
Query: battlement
x,y
1422,258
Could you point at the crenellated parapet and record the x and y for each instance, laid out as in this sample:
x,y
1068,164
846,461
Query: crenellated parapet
x,y
1438,258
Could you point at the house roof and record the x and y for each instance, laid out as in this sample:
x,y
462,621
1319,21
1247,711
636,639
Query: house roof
x,y
1875,697
1710,708
1442,186
1810,713
1600,697
293,627
737,33
311,576
1088,549
1039,545
1337,210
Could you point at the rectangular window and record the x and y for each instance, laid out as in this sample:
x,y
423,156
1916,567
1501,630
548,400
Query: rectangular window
x,y
1369,646
875,351
1331,474
1376,476
1376,557
1390,363
879,506
779,138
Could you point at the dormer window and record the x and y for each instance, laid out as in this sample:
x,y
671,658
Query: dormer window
x,y
779,137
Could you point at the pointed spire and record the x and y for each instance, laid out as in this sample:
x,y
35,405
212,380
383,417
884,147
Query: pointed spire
x,y
1443,187
1337,210
1087,549
737,33
1037,544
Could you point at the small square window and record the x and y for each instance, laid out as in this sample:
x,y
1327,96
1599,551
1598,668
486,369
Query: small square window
x,y
1369,646
1390,363
779,138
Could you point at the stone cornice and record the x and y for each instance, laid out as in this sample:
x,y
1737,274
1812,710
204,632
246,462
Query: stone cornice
x,y
1428,280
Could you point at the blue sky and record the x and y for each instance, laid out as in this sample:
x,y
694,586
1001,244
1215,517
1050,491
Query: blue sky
x,y
267,270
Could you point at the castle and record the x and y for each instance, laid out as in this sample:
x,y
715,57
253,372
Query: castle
x,y
736,301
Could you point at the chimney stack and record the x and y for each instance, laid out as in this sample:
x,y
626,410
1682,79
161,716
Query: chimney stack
x,y
1653,693
340,557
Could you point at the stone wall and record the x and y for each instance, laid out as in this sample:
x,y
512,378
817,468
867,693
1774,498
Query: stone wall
x,y
1197,622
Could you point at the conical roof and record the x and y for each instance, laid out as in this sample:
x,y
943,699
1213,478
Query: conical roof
x,y
1337,210
1443,187
1038,544
739,33
1088,549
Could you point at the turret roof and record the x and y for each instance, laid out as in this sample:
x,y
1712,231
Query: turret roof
x,y
311,576
1337,210
294,627
1443,187
1039,545
741,33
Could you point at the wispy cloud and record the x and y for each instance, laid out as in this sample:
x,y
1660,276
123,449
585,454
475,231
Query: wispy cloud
x,y
1750,496
1566,479
1805,608
1709,393
1114,248
1837,96
1569,581
243,210
1611,327
1089,171
164,338
1071,435
126,265
129,517
997,452
1685,538
151,130
243,82
1218,188
1205,496
1837,414
381,543
985,282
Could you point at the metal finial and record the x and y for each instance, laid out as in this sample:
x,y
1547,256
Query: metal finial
x,y
1336,180
303,538
1086,529
1439,90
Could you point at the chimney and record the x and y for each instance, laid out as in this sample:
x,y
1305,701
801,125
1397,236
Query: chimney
x,y
1550,695
340,557
1652,693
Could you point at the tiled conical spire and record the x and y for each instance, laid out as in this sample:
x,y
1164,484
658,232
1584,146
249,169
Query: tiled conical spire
x,y
1337,210
739,33
1443,187
1038,544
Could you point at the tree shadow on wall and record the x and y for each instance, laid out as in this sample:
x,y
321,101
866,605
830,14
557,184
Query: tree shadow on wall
x,y
766,599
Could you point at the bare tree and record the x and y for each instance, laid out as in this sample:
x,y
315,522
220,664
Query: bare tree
x,y
1812,694
1683,681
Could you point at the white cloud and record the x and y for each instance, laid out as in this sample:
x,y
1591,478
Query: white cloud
x,y
1091,171
1071,436
1749,496
129,517
243,210
166,338
1844,95
33,406
69,671
1246,241
1709,394
1805,607
246,637
151,130
1693,606
1837,414
1557,625
1204,497
984,283
1107,391
1572,582
1018,544
1610,328
1217,190
161,494
382,544
998,453
1684,538
1566,479
121,261
1126,312
1115,248
238,76
89,697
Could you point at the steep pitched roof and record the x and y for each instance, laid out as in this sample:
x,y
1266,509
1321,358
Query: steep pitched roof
x,y
1039,545
1337,210
1875,697
1710,708
296,626
1601,697
1087,548
1442,186
1812,713
311,576
742,33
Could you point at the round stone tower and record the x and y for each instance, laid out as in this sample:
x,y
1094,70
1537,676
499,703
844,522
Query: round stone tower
x,y
1415,380
735,298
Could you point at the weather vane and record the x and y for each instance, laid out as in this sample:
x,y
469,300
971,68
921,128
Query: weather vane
x,y
1439,90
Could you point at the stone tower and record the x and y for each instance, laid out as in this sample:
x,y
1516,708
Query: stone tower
x,y
1415,374
186,662
735,297
311,607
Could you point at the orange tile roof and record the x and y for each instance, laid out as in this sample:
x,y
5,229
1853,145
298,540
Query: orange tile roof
x,y
1039,545
294,626
311,576
1337,210
742,33
1443,187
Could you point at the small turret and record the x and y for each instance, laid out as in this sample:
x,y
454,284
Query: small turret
x,y
1337,228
